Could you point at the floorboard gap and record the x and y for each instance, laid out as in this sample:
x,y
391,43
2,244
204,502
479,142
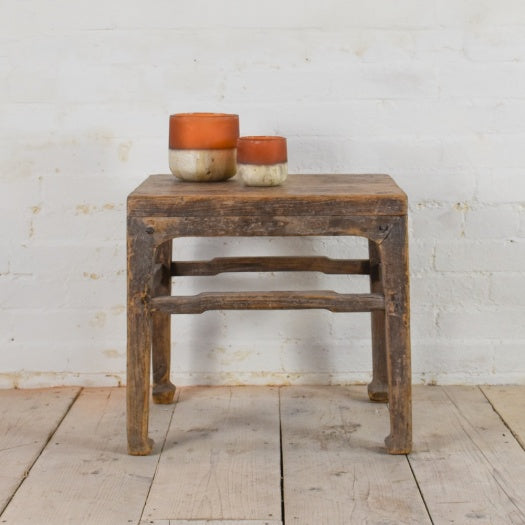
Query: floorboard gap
x,y
281,460
419,490
160,454
514,434
49,438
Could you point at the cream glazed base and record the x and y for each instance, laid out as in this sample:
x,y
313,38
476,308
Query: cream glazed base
x,y
263,175
203,165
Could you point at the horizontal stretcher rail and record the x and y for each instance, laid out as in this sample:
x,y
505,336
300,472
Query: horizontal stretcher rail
x,y
282,300
271,264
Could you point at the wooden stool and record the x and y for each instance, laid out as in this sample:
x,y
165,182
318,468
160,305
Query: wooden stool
x,y
163,208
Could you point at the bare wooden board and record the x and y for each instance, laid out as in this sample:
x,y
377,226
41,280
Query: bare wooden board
x,y
221,460
469,467
84,475
28,418
210,522
334,194
509,403
336,469
282,300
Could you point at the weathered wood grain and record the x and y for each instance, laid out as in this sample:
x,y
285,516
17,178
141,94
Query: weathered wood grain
x,y
271,264
509,403
163,388
221,458
469,467
393,252
28,419
140,267
84,474
378,387
164,196
283,300
335,469
162,229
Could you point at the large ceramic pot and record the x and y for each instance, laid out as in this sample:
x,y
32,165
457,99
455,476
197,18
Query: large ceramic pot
x,y
202,146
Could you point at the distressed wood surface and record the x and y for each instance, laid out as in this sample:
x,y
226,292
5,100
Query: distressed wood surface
x,y
84,474
163,208
140,268
378,387
372,227
335,469
271,264
393,252
164,195
221,460
509,403
282,300
469,467
28,419
163,388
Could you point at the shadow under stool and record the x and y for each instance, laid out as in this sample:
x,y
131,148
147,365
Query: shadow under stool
x,y
163,208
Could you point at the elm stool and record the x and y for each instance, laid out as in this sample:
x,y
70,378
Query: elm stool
x,y
163,208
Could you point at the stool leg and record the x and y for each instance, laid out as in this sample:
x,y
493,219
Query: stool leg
x,y
163,388
394,259
140,270
378,388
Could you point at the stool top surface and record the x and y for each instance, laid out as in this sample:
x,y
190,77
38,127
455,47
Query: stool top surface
x,y
334,194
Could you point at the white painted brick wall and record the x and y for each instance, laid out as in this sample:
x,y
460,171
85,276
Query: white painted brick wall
x,y
431,92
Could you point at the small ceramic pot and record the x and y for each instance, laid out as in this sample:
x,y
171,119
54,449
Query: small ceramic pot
x,y
202,146
262,161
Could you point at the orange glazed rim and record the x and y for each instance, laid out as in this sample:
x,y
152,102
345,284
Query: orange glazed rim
x,y
203,131
262,149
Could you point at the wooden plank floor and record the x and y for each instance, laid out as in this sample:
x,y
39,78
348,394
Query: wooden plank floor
x,y
222,440
262,456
